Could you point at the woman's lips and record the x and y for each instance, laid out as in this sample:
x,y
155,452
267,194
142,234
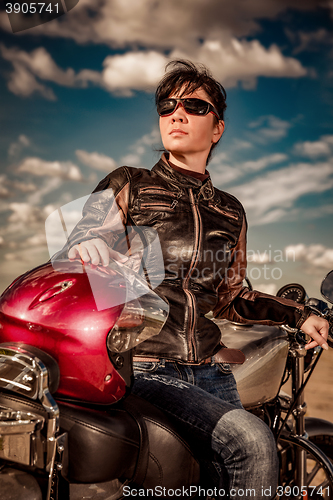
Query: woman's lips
x,y
177,131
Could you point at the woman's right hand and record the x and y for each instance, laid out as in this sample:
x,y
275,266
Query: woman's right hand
x,y
95,251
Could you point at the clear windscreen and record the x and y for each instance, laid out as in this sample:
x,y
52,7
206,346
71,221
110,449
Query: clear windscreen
x,y
140,274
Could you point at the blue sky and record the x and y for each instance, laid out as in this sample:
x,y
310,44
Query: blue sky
x,y
76,100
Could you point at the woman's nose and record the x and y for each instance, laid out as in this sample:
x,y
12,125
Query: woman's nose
x,y
179,114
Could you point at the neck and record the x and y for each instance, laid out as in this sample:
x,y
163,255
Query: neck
x,y
196,163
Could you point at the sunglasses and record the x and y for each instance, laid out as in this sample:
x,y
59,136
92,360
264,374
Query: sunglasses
x,y
192,106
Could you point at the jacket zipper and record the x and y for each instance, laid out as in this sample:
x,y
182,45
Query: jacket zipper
x,y
190,296
152,204
232,215
157,190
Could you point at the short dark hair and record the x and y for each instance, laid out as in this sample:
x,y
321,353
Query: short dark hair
x,y
189,77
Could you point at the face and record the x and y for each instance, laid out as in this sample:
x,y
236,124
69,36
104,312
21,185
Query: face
x,y
183,134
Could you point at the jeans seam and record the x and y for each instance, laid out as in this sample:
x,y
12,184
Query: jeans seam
x,y
177,370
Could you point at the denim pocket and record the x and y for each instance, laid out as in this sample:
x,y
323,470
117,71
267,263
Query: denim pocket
x,y
146,366
224,367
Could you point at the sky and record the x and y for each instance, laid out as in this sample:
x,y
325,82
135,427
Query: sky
x,y
77,100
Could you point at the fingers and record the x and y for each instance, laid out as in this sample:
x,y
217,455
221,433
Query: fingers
x,y
317,328
95,251
74,252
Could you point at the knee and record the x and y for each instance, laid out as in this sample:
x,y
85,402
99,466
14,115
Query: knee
x,y
242,434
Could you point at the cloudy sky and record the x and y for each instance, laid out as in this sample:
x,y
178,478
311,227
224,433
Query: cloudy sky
x,y
77,101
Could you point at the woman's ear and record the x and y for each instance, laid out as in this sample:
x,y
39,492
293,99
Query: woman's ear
x,y
218,131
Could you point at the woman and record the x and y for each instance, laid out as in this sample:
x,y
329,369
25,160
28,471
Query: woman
x,y
202,231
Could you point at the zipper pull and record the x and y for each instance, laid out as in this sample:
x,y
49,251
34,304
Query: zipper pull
x,y
174,203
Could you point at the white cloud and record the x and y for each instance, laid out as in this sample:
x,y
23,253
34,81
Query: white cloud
x,y
140,147
10,187
317,256
4,192
24,187
315,149
223,173
258,257
24,212
97,161
264,162
35,240
30,66
268,129
269,197
16,147
235,60
160,24
65,170
48,186
133,70
309,41
270,288
191,29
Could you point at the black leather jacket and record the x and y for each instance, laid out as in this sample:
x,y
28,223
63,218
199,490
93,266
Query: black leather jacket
x,y
202,231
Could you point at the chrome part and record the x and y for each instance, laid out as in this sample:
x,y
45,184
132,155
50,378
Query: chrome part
x,y
58,463
316,351
20,439
266,350
24,373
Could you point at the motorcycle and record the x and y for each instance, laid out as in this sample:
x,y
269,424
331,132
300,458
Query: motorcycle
x,y
59,435
71,429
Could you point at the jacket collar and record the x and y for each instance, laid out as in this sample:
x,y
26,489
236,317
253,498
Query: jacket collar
x,y
180,180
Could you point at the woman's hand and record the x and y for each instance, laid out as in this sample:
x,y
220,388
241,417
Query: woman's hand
x,y
317,328
95,251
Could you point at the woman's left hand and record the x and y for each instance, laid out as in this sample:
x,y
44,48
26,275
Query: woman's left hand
x,y
317,328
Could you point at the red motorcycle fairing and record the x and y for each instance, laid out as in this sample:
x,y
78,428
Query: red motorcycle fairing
x,y
55,310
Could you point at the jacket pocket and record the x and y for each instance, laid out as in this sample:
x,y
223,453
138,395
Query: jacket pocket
x,y
158,205
158,199
227,213
157,190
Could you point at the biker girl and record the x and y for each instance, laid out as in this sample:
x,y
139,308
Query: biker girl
x,y
202,231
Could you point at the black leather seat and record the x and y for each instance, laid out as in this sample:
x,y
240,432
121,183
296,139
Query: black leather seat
x,y
132,440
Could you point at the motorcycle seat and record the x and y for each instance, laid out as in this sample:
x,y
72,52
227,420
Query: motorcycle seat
x,y
105,444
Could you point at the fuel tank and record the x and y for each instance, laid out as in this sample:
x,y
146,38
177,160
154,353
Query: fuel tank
x,y
53,308
266,350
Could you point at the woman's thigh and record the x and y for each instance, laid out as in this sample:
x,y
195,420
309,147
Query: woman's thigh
x,y
242,444
186,397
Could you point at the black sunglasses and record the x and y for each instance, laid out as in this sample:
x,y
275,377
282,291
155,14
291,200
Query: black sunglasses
x,y
192,106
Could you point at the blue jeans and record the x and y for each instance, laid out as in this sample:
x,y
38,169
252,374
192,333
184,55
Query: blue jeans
x,y
237,449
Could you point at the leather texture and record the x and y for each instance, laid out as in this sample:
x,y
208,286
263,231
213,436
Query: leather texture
x,y
104,444
202,232
229,355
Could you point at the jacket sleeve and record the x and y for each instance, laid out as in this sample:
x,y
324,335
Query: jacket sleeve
x,y
105,213
237,303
